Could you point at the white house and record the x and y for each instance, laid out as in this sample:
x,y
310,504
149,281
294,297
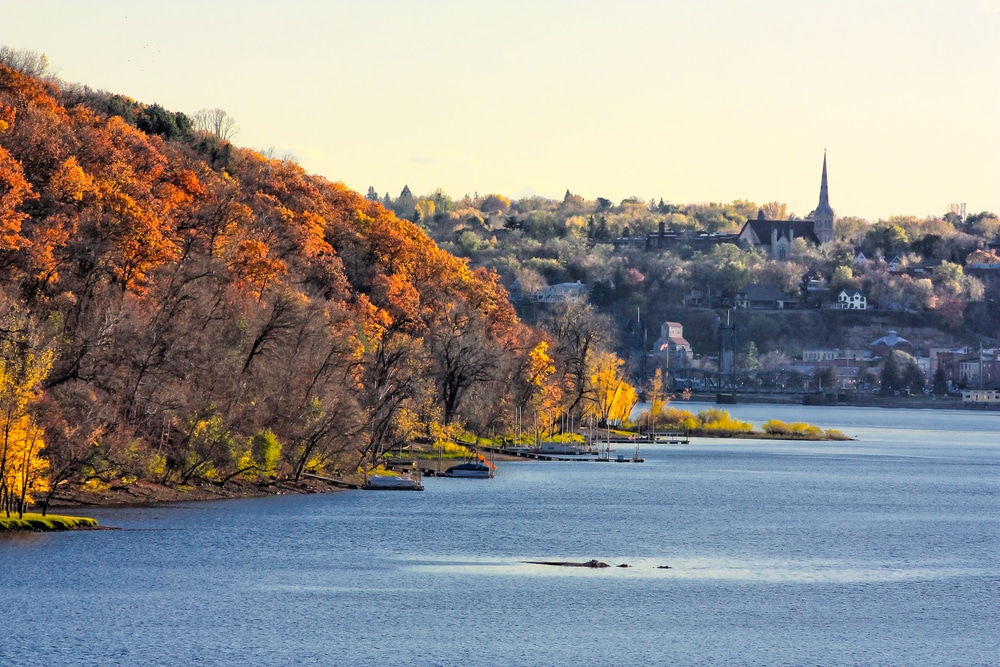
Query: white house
x,y
852,300
563,292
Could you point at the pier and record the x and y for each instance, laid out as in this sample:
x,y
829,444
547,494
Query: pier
x,y
595,456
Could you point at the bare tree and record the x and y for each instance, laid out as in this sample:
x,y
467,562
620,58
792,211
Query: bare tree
x,y
29,63
216,122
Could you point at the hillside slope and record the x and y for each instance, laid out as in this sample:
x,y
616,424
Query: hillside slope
x,y
175,307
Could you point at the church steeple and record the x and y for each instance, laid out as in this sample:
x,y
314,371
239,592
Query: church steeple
x,y
822,217
824,192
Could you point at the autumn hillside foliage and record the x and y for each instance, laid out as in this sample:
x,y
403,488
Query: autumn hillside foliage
x,y
205,312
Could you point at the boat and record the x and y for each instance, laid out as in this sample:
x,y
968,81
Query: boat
x,y
478,469
393,483
565,448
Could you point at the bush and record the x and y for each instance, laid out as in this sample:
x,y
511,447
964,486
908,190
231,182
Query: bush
x,y
719,421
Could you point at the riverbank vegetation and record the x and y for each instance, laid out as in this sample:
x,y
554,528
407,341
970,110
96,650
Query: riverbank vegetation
x,y
715,422
49,522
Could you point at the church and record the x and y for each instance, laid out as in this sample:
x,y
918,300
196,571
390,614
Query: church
x,y
776,236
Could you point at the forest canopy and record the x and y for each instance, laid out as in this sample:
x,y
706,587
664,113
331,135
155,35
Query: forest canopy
x,y
174,307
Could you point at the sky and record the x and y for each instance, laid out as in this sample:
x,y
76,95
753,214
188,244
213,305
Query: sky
x,y
686,100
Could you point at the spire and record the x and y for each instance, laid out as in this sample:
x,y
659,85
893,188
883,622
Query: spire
x,y
824,193
823,215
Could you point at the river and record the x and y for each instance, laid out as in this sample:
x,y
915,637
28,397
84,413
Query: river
x,y
880,551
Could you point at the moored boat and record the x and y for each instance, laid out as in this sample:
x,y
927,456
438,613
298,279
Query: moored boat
x,y
477,469
393,483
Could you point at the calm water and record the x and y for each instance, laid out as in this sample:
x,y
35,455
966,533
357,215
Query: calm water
x,y
884,551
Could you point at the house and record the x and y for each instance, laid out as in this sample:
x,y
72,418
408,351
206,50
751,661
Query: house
x,y
817,291
695,298
851,300
563,292
768,297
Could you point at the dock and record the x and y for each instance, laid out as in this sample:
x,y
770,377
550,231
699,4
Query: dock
x,y
426,467
527,453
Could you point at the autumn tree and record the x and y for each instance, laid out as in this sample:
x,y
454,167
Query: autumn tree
x,y
610,396
775,210
578,331
390,381
462,355
24,362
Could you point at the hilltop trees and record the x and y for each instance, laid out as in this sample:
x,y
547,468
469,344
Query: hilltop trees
x,y
216,122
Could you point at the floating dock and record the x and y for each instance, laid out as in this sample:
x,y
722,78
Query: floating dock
x,y
527,453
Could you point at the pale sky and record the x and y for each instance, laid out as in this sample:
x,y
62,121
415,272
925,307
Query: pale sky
x,y
688,100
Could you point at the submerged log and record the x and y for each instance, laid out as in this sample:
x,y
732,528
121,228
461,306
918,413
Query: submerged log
x,y
590,563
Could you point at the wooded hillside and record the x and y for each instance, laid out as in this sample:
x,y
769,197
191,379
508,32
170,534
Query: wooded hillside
x,y
175,307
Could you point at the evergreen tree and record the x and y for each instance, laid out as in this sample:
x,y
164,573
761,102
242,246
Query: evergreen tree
x,y
372,195
940,382
892,376
913,377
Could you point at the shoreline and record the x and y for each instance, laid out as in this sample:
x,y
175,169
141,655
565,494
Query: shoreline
x,y
857,401
144,493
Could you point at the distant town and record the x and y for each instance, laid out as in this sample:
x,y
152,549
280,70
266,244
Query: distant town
x,y
924,289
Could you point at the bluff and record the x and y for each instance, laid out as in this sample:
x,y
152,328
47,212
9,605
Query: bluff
x,y
174,307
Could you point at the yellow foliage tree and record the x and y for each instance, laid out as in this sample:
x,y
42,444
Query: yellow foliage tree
x,y
611,397
22,464
546,396
23,367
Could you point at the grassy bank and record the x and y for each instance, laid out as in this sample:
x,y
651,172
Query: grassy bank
x,y
45,523
720,424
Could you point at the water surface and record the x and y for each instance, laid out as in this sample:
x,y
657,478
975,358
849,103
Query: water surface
x,y
882,551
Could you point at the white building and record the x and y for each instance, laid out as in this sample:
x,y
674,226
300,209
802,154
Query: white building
x,y
824,354
576,292
989,398
852,300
